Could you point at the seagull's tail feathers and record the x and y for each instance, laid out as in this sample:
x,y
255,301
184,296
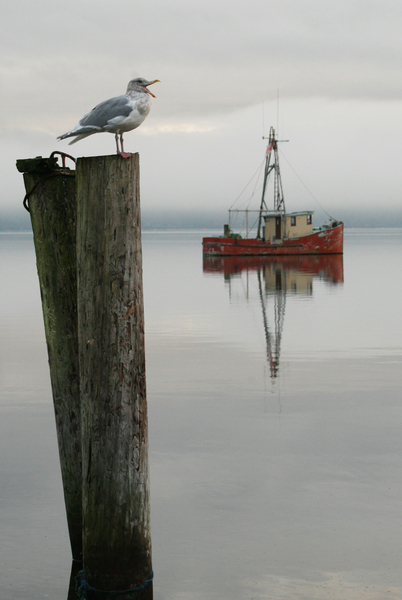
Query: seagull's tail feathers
x,y
79,134
81,137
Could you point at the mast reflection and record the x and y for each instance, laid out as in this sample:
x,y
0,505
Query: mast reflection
x,y
277,277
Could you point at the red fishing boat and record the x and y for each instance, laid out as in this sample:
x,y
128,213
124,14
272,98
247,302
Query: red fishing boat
x,y
278,232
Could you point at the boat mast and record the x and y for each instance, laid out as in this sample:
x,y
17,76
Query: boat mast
x,y
279,201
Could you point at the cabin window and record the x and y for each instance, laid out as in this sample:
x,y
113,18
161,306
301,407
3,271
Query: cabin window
x,y
308,219
293,221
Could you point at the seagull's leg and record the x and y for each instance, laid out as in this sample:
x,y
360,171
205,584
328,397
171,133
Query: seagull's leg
x,y
122,153
116,137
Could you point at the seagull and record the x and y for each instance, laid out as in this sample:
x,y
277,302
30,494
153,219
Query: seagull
x,y
117,115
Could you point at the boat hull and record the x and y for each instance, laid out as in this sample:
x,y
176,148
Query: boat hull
x,y
321,241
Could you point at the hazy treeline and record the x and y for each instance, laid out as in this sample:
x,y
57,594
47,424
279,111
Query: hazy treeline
x,y
18,219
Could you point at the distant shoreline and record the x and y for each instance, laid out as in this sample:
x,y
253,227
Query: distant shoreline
x,y
174,220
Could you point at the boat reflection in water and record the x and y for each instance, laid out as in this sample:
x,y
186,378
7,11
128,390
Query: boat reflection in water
x,y
277,277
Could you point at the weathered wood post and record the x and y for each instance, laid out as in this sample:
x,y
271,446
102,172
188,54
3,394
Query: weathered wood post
x,y
116,508
52,206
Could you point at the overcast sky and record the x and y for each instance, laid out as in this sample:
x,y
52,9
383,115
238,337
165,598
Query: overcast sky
x,y
336,68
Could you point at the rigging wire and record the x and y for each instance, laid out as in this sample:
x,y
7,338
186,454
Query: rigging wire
x,y
245,224
256,183
247,184
304,185
256,175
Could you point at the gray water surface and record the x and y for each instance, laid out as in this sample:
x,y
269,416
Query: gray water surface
x,y
275,420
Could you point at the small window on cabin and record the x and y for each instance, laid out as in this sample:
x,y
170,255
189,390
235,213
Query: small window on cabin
x,y
292,221
308,219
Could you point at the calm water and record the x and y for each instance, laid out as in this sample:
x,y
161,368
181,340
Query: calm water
x,y
275,414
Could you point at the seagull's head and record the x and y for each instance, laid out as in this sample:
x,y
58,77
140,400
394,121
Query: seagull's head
x,y
140,85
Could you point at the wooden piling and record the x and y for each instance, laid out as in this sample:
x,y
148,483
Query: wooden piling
x,y
116,508
52,207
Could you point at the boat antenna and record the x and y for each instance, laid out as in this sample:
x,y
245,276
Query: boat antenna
x,y
277,110
263,117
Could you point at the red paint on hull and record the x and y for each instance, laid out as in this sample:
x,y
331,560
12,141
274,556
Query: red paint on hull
x,y
322,241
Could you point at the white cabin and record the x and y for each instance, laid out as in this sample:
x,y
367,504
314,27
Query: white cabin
x,y
290,225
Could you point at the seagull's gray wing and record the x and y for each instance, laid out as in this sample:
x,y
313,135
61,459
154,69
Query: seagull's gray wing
x,y
99,117
117,108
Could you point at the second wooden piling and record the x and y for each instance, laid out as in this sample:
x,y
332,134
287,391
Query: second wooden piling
x,y
52,205
116,508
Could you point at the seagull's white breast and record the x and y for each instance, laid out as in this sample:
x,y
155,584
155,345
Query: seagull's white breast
x,y
140,105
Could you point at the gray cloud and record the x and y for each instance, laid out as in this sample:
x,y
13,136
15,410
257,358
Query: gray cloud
x,y
337,68
58,57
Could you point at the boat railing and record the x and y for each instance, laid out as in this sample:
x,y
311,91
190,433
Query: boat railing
x,y
245,224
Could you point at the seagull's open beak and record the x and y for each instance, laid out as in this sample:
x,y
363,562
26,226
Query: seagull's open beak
x,y
150,83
